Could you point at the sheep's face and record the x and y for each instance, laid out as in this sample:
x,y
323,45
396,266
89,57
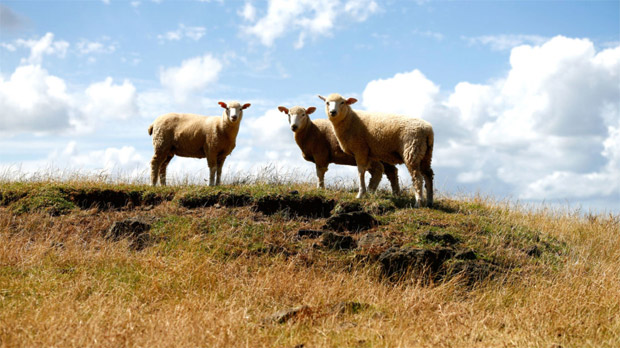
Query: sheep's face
x,y
234,111
297,116
336,106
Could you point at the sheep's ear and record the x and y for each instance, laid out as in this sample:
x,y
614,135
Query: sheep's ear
x,y
222,104
322,97
283,109
245,106
351,101
310,110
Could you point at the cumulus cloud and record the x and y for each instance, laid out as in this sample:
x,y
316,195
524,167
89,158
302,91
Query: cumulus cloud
x,y
33,100
548,130
193,75
194,33
309,18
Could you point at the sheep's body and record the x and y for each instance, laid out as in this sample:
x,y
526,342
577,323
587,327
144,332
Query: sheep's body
x,y
191,135
389,138
318,144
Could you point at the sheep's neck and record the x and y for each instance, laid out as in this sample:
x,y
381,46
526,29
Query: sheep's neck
x,y
301,136
228,127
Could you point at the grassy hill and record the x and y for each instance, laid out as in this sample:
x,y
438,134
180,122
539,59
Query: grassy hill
x,y
85,263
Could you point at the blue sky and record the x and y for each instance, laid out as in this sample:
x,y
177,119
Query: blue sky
x,y
523,95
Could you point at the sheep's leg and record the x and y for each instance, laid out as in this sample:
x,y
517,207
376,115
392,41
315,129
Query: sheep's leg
x,y
416,178
220,164
392,174
212,170
320,174
428,180
156,162
376,171
428,174
162,170
362,166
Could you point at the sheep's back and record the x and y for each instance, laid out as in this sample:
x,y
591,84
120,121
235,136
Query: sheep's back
x,y
184,134
388,134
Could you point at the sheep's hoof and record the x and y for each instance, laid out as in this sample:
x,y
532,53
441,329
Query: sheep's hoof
x,y
360,195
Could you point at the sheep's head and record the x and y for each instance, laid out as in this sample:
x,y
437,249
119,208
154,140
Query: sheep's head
x,y
336,106
297,116
234,110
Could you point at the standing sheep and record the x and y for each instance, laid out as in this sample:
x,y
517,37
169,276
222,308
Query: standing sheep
x,y
190,135
319,145
384,137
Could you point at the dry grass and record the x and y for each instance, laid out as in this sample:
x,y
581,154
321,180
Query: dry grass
x,y
214,276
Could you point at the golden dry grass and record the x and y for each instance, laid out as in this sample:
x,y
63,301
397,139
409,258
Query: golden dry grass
x,y
215,276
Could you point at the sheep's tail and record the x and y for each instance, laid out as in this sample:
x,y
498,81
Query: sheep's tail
x,y
151,130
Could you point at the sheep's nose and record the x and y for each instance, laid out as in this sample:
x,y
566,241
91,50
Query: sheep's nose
x,y
332,113
294,127
234,118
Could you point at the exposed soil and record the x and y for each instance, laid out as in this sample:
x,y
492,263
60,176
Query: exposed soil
x,y
314,207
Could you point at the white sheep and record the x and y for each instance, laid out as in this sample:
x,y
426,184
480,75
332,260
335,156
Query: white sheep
x,y
190,135
319,145
389,138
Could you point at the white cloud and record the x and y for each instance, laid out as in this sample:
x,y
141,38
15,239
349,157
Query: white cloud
x,y
310,18
33,100
193,75
194,33
248,12
550,129
43,46
410,93
8,46
91,47
105,102
505,42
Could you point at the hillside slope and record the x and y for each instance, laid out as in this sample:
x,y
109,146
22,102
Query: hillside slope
x,y
94,264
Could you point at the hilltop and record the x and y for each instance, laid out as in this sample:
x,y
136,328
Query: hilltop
x,y
86,263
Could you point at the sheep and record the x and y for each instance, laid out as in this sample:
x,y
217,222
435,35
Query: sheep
x,y
389,138
190,135
319,145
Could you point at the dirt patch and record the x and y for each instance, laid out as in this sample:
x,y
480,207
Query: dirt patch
x,y
435,264
353,222
235,199
441,238
105,199
135,230
397,262
200,199
337,241
471,271
314,207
